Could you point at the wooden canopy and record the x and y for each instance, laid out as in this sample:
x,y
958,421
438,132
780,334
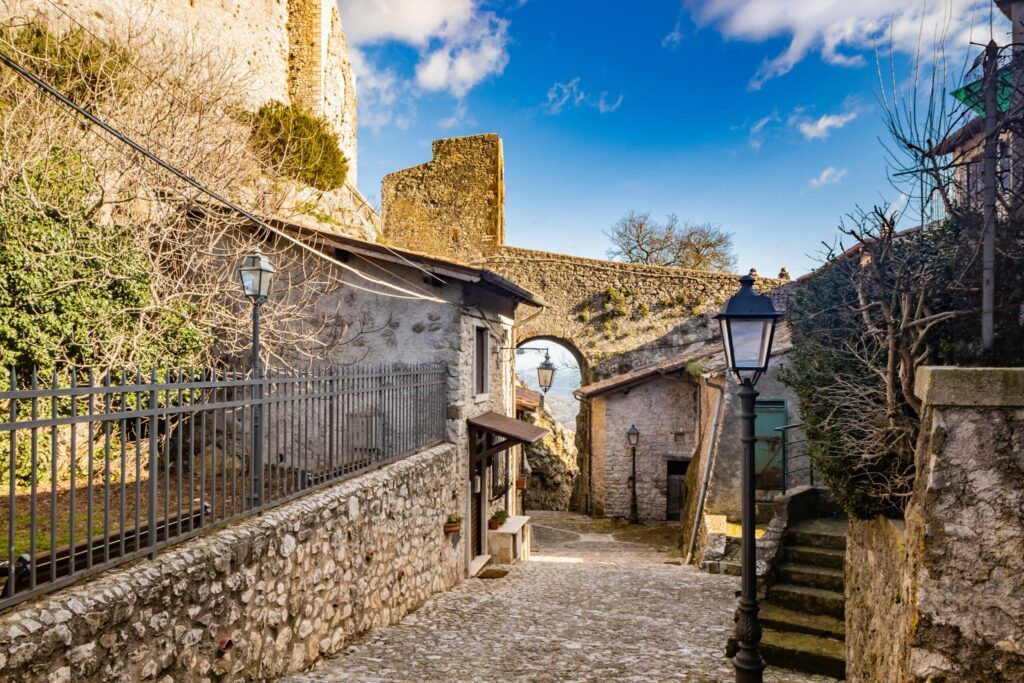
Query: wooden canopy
x,y
491,425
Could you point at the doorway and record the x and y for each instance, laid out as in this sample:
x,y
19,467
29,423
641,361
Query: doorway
x,y
771,415
676,499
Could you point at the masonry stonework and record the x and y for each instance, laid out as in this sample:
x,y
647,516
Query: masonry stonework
x,y
453,205
953,589
292,51
259,599
664,411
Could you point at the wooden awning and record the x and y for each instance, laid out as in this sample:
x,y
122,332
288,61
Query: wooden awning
x,y
492,425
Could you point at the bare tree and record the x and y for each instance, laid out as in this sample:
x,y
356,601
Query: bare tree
x,y
637,238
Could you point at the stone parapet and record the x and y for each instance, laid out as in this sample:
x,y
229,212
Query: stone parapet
x,y
952,587
257,599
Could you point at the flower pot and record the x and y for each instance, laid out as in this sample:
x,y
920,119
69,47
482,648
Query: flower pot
x,y
452,527
521,484
492,525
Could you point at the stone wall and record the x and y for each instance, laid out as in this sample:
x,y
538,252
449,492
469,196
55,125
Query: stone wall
x,y
664,410
258,599
452,206
959,570
285,50
619,316
877,599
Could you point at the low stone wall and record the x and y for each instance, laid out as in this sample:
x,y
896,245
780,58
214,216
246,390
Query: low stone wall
x,y
258,599
877,604
961,578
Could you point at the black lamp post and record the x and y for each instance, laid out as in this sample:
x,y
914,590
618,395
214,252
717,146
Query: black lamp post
x,y
748,325
633,436
257,274
748,328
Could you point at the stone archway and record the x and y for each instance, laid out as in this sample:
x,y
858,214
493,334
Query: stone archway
x,y
580,499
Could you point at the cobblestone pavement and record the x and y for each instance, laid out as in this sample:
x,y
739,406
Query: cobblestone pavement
x,y
587,607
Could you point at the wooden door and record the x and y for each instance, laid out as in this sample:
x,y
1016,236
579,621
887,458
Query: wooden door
x,y
676,489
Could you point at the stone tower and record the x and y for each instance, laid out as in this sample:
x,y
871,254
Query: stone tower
x,y
320,77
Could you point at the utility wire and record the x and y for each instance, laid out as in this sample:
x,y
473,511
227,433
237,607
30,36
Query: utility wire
x,y
155,82
55,94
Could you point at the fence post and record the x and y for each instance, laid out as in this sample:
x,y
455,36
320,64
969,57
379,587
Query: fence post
x,y
154,467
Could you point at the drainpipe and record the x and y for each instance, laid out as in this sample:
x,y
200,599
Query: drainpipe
x,y
699,513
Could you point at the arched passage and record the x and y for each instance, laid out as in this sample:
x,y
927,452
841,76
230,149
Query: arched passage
x,y
564,408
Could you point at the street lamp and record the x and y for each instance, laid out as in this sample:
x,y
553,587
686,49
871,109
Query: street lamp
x,y
545,374
633,437
257,275
748,325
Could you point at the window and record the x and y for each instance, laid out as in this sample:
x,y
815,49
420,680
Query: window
x,y
480,361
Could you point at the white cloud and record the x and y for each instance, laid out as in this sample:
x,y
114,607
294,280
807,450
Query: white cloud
x,y
562,95
606,107
457,118
383,97
674,38
839,29
820,128
458,65
757,130
830,176
459,44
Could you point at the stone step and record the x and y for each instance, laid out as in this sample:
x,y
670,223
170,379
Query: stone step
x,y
819,557
829,578
801,652
819,533
730,567
805,599
782,619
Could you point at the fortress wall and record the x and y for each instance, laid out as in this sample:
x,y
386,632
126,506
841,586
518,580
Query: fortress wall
x,y
293,51
452,206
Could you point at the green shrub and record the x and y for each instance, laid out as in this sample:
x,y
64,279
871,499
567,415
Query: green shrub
x,y
858,340
303,146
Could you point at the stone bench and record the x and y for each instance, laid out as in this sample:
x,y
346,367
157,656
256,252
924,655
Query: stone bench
x,y
510,543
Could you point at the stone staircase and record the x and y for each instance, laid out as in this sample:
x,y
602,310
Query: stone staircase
x,y
802,615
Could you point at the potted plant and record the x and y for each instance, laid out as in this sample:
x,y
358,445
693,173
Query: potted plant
x,y
452,524
497,519
521,483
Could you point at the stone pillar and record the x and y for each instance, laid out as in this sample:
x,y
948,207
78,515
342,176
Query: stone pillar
x,y
943,597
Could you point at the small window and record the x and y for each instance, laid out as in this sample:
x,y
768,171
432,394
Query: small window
x,y
480,361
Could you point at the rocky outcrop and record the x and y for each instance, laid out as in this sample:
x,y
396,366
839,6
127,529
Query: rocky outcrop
x,y
553,464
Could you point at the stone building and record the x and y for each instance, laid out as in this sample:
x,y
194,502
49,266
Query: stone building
x,y
469,326
689,454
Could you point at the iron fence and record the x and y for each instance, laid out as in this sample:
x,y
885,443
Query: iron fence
x,y
99,469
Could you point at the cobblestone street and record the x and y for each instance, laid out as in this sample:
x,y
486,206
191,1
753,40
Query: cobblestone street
x,y
597,602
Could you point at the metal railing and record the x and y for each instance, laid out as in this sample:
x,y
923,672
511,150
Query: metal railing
x,y
797,468
99,469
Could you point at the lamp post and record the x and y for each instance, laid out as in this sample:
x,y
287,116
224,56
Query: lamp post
x,y
748,325
633,437
257,275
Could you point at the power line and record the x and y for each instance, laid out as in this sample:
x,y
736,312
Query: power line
x,y
55,94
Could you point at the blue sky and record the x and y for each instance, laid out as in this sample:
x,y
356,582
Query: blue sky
x,y
759,116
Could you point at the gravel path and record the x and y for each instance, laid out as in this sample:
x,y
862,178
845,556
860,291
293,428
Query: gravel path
x,y
587,607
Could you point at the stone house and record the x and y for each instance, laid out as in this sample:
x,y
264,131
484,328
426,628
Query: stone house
x,y
688,455
465,321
